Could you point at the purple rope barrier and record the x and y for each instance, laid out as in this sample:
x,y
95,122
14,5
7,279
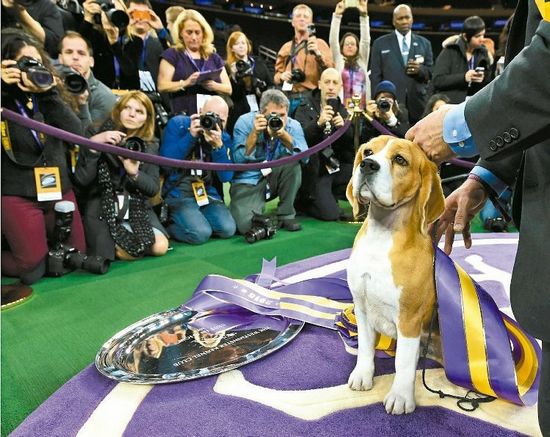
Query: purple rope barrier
x,y
160,160
380,128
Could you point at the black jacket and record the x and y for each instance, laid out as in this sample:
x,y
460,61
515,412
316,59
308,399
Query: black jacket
x,y
18,178
451,66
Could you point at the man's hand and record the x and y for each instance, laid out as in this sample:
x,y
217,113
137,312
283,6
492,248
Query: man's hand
x,y
213,137
460,208
326,115
195,127
155,22
312,46
337,121
413,68
285,76
428,134
260,123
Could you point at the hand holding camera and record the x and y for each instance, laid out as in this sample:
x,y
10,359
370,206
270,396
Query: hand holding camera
x,y
413,67
476,75
326,115
29,75
112,137
212,128
312,46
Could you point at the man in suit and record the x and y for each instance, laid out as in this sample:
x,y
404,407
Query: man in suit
x,y
508,123
406,60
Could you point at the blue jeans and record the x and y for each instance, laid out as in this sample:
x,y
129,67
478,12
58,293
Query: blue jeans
x,y
195,224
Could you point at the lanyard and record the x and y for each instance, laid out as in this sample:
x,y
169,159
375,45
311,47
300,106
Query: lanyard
x,y
21,108
144,53
270,151
199,69
471,63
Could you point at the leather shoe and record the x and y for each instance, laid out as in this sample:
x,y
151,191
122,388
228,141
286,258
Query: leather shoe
x,y
290,225
13,294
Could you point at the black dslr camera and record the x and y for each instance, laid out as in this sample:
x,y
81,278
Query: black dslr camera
x,y
73,80
243,69
331,162
384,104
161,114
117,17
36,72
262,228
62,258
275,122
210,120
297,75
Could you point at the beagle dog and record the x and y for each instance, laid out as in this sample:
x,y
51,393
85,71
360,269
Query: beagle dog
x,y
390,271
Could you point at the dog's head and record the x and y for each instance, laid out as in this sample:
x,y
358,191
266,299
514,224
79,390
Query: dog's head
x,y
389,172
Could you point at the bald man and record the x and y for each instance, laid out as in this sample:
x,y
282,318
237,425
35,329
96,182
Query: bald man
x,y
405,59
325,176
196,208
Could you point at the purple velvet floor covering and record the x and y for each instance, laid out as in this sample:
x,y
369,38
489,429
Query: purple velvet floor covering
x,y
296,391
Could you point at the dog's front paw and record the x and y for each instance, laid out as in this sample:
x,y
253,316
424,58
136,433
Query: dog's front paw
x,y
361,378
399,403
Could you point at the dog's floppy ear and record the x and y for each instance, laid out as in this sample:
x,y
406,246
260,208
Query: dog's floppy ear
x,y
431,200
349,190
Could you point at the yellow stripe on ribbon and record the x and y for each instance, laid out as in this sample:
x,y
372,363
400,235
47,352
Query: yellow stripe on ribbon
x,y
474,334
527,367
306,310
317,300
544,9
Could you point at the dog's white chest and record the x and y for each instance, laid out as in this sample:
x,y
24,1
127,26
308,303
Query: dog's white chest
x,y
371,280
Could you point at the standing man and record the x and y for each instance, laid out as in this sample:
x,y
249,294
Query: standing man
x,y
406,60
301,61
508,124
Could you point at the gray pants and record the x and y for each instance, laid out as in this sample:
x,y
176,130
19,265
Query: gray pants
x,y
284,182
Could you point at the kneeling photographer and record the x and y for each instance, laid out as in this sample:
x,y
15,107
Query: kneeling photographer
x,y
326,175
118,219
30,88
249,77
267,135
387,111
196,208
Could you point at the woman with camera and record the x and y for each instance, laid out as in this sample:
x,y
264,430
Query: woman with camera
x,y
351,54
464,65
34,165
249,77
116,49
191,70
386,110
118,218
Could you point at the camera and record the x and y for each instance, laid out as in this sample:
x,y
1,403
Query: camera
x,y
36,72
331,162
243,69
384,104
62,258
117,17
480,70
161,114
262,228
275,122
135,144
73,80
297,75
311,31
210,120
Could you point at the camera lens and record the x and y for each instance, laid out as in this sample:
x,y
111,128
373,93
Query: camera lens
x,y
274,122
210,120
135,144
36,72
96,264
384,105
255,234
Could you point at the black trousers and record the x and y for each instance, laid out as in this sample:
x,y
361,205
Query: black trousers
x,y
544,391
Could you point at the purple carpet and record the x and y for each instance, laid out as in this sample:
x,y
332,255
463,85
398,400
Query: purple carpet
x,y
288,385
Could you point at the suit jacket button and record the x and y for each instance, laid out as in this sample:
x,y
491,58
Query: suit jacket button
x,y
493,145
499,142
507,137
514,133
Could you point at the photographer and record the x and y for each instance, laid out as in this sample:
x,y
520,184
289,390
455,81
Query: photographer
x,y
326,175
249,77
116,49
118,218
97,101
196,209
29,88
266,136
39,18
464,65
301,60
387,111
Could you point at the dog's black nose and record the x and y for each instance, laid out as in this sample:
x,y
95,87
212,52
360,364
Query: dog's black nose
x,y
369,166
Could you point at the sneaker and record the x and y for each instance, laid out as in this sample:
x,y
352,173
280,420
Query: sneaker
x,y
290,225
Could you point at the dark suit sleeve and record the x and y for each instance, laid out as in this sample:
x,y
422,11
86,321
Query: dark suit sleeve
x,y
375,65
512,113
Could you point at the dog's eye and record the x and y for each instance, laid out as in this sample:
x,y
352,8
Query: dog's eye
x,y
367,152
399,160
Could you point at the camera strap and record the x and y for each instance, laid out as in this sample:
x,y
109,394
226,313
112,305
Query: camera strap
x,y
294,50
